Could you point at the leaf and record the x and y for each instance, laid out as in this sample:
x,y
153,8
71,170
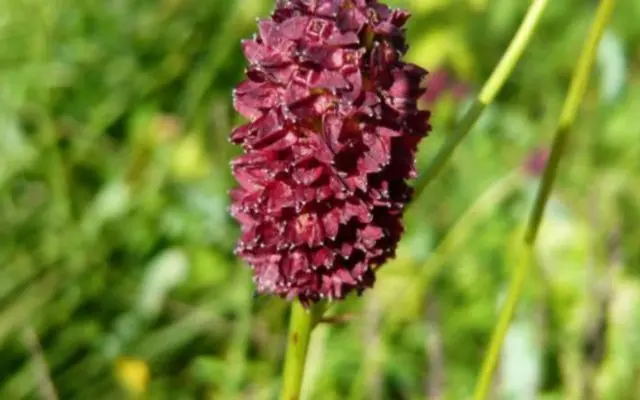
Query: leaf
x,y
27,305
164,272
112,202
613,66
16,153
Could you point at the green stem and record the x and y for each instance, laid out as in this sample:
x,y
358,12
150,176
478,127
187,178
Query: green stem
x,y
570,109
491,359
488,93
301,324
445,152
514,51
569,112
462,229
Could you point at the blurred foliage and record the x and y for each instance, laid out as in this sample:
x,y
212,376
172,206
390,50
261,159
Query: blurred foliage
x,y
116,247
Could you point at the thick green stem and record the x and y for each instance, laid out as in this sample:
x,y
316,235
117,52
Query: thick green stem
x,y
488,93
301,324
570,109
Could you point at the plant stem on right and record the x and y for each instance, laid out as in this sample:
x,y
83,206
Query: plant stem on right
x,y
578,87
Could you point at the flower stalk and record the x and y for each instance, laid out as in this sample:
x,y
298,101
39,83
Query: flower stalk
x,y
487,94
568,115
301,324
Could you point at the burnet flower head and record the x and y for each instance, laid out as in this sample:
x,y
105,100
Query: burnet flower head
x,y
330,143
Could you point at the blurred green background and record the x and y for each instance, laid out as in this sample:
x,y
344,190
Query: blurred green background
x,y
117,276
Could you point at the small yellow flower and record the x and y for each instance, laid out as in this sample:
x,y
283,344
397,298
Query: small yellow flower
x,y
132,374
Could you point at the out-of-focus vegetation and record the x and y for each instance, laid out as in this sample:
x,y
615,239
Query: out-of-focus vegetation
x,y
116,268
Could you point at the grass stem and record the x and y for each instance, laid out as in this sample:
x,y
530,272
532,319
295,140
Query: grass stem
x,y
487,94
568,115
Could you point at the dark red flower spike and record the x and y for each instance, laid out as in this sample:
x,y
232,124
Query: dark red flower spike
x,y
331,142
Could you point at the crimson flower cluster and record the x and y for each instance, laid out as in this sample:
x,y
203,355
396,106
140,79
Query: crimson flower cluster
x,y
330,143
